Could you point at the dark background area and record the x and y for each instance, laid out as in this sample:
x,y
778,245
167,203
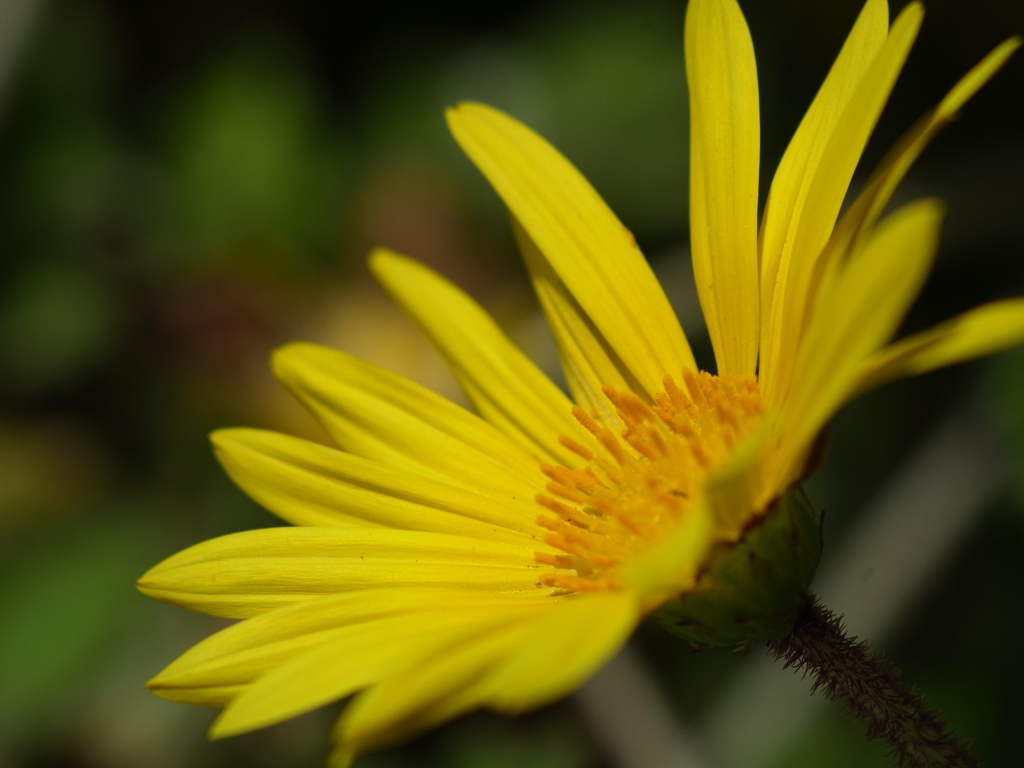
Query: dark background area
x,y
184,186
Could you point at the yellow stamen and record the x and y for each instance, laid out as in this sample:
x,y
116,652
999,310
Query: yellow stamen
x,y
638,485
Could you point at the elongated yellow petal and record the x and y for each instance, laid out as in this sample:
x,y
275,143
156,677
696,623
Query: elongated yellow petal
x,y
310,484
800,165
507,389
447,690
382,416
201,696
725,145
428,690
876,196
982,331
588,360
245,574
588,248
824,196
226,663
564,648
531,660
856,318
359,655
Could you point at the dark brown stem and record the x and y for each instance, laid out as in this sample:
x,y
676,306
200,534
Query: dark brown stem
x,y
848,671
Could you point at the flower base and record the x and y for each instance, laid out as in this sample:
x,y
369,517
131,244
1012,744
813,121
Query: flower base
x,y
755,588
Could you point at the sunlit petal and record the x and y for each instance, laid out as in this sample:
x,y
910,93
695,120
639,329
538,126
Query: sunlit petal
x,y
860,314
823,198
983,331
590,364
505,386
245,574
380,415
725,147
869,205
363,654
799,169
310,484
588,248
228,662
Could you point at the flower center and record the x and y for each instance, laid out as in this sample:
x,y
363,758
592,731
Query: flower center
x,y
636,486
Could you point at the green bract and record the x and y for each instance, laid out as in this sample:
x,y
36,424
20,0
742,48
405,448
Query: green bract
x,y
754,588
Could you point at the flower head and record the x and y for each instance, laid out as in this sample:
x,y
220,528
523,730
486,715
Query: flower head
x,y
442,561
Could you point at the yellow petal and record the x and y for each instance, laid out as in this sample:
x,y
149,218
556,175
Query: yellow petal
x,y
588,359
245,574
855,319
977,333
429,689
382,416
563,649
725,144
447,691
529,661
361,654
673,564
507,389
200,696
228,662
587,247
800,164
824,195
224,664
876,196
313,485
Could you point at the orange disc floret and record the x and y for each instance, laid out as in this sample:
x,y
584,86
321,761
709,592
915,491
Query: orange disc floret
x,y
637,485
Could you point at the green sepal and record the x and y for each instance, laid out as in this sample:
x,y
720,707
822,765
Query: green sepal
x,y
754,588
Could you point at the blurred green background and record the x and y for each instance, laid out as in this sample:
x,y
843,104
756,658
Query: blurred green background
x,y
185,185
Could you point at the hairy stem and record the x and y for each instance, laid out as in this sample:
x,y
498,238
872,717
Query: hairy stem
x,y
848,671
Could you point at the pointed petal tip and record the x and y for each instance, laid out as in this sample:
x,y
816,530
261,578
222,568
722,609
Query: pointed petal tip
x,y
383,255
159,686
219,731
151,582
451,116
289,347
225,436
284,358
465,114
278,355
149,585
227,439
913,11
228,724
1002,52
382,262
933,207
156,684
146,582
468,107
455,113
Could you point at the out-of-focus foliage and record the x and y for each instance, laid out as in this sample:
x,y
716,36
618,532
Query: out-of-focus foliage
x,y
186,185
254,173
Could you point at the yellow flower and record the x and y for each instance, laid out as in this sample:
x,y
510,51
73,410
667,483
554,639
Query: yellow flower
x,y
443,561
